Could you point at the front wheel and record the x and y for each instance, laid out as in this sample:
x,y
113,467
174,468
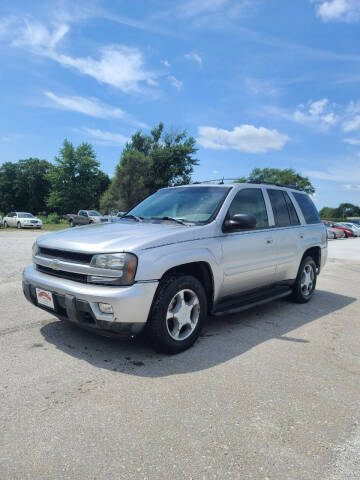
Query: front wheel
x,y
5,225
71,223
177,315
18,225
305,283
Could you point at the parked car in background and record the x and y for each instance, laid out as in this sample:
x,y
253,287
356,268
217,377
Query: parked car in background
x,y
21,220
338,233
330,234
347,231
355,221
1,221
86,217
352,226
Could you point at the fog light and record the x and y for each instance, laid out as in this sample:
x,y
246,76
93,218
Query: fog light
x,y
105,308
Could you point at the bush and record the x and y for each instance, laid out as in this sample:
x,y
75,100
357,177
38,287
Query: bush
x,y
52,218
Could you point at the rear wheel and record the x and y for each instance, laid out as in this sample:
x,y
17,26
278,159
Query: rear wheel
x,y
305,282
5,225
71,223
177,314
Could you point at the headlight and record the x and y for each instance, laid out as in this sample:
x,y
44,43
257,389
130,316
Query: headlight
x,y
124,263
35,249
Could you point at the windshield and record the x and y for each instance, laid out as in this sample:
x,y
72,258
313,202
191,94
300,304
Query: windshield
x,y
94,213
25,215
191,204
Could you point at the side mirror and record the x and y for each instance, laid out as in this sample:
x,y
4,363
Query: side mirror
x,y
240,221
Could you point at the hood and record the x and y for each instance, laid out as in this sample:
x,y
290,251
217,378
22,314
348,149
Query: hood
x,y
123,236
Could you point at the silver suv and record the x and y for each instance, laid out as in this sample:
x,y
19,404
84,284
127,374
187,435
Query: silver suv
x,y
181,254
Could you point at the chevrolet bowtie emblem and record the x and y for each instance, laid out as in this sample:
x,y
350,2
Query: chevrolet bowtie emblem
x,y
54,264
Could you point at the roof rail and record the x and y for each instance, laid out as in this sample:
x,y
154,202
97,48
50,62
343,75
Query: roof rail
x,y
221,181
294,187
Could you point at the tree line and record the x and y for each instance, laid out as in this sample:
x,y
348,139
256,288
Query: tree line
x,y
344,210
75,181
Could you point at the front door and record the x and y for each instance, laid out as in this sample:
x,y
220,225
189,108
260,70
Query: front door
x,y
248,256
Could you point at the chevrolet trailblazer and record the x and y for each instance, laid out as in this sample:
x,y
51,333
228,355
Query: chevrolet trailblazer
x,y
181,254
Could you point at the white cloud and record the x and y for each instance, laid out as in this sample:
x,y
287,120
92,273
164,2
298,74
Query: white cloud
x,y
344,170
352,141
195,57
166,63
32,35
106,138
192,8
316,114
178,84
338,10
245,138
352,124
120,66
349,187
92,107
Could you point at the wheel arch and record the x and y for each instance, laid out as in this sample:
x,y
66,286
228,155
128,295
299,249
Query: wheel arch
x,y
202,271
315,253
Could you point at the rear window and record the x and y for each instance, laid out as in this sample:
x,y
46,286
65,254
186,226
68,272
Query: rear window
x,y
307,207
283,208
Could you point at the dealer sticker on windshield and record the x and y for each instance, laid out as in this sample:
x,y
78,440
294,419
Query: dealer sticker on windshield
x,y
45,298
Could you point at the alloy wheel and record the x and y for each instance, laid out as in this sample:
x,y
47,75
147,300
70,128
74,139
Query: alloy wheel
x,y
183,314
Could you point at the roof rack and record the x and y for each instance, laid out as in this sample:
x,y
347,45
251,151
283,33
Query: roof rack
x,y
221,181
294,187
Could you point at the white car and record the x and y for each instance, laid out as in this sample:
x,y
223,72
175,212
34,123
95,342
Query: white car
x,y
21,220
355,228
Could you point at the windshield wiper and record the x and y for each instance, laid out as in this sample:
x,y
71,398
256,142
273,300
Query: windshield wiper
x,y
135,217
177,220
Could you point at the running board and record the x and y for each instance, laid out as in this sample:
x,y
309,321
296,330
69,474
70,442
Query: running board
x,y
251,300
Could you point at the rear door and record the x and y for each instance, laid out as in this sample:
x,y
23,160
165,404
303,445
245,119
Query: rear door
x,y
248,256
83,217
12,219
287,232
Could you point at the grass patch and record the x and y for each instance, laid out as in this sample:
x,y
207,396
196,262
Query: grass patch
x,y
48,227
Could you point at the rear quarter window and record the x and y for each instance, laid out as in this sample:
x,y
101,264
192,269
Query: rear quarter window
x,y
307,207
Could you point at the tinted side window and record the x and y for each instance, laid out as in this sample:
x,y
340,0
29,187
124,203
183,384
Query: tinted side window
x,y
307,207
280,209
251,201
293,215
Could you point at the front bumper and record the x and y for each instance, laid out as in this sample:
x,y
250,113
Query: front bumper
x,y
78,302
31,225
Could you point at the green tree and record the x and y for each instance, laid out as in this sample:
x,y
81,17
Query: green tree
x,y
10,192
150,162
286,176
34,183
347,210
76,180
328,213
24,185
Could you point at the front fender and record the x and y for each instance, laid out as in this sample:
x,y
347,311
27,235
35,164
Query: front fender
x,y
153,263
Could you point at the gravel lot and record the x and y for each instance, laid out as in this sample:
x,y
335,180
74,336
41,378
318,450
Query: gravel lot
x,y
273,393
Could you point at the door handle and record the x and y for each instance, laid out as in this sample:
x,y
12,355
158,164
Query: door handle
x,y
269,240
301,235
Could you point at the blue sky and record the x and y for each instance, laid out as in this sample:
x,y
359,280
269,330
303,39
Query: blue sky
x,y
258,83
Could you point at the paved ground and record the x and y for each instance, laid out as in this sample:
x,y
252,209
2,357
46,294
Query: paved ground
x,y
273,393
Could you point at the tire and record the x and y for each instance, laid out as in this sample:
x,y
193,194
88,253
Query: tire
x,y
6,225
184,294
71,223
19,225
303,292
